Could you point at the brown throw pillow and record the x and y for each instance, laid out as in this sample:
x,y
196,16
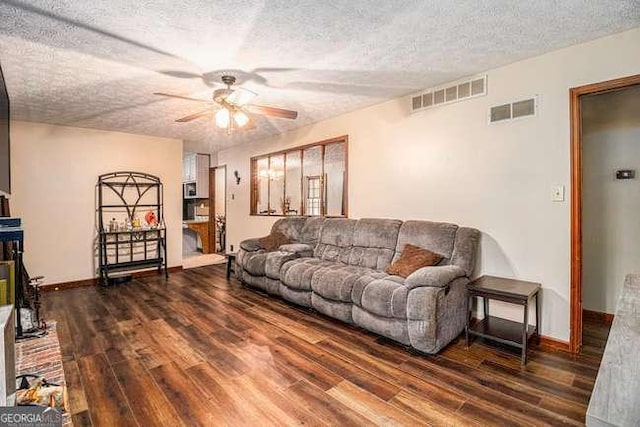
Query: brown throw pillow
x,y
413,258
273,241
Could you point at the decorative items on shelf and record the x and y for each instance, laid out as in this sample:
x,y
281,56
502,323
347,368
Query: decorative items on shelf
x,y
285,204
151,219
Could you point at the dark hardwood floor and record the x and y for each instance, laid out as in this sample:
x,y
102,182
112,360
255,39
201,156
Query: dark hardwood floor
x,y
199,350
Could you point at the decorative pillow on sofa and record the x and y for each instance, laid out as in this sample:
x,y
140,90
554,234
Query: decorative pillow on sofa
x,y
273,241
413,258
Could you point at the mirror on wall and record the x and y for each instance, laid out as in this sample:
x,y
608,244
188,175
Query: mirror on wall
x,y
293,176
334,179
262,178
309,181
276,184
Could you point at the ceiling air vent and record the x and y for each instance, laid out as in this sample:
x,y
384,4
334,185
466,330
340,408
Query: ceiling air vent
x,y
449,93
513,110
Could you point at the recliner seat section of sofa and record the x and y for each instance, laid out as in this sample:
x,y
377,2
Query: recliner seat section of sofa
x,y
350,250
336,266
260,269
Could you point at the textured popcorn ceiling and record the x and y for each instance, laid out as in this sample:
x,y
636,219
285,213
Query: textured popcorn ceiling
x,y
96,63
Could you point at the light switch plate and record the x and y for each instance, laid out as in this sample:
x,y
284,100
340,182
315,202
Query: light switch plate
x,y
557,193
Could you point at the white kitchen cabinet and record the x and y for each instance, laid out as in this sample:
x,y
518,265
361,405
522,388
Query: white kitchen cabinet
x,y
196,174
189,167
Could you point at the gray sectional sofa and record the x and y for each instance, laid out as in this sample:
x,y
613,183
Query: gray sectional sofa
x,y
337,265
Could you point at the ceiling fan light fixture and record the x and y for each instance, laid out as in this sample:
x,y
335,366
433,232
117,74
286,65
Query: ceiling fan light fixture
x,y
232,104
223,118
240,118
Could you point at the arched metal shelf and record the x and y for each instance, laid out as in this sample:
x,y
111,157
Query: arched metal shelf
x,y
124,194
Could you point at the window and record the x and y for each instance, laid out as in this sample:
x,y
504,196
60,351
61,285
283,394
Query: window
x,y
313,204
309,180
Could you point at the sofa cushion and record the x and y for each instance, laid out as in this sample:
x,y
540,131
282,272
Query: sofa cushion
x,y
336,281
297,273
438,237
336,240
274,263
412,259
374,243
254,263
386,297
310,233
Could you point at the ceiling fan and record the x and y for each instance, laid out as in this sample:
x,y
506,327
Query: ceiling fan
x,y
234,107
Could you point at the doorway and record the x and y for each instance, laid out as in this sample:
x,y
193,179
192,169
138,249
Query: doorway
x,y
218,206
583,242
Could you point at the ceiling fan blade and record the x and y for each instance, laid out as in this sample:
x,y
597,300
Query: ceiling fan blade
x,y
272,111
180,74
180,97
240,97
194,116
273,69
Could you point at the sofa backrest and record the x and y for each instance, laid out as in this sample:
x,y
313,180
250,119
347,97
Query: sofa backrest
x,y
456,244
465,249
374,242
310,233
290,227
336,240
367,242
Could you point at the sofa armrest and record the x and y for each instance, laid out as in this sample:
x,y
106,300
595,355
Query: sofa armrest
x,y
297,248
251,245
437,277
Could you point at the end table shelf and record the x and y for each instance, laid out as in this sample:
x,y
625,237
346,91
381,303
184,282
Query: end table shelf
x,y
501,330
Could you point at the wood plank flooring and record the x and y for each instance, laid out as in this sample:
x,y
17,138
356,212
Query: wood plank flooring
x,y
199,350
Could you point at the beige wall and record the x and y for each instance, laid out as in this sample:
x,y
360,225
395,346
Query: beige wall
x,y
220,190
448,164
54,172
611,225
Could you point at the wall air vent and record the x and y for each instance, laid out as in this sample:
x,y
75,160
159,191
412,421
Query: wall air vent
x,y
514,110
449,93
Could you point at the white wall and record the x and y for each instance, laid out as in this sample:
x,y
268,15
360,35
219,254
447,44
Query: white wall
x,y
54,172
611,225
447,164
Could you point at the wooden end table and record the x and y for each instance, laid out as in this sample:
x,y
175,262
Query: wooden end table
x,y
231,263
502,330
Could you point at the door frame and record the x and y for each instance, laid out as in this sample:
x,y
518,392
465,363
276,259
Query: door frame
x,y
212,204
575,339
